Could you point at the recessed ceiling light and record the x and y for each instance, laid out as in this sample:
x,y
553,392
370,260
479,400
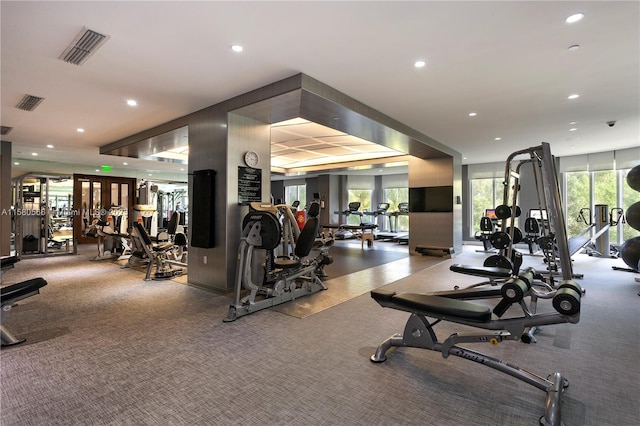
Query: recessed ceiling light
x,y
574,96
574,18
464,158
573,122
237,48
16,164
125,164
420,63
498,138
573,47
80,130
35,154
473,114
132,102
573,129
49,146
97,170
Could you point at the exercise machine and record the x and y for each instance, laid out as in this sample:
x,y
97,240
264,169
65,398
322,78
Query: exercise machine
x,y
9,296
419,330
264,279
488,225
158,255
110,233
506,264
353,209
381,210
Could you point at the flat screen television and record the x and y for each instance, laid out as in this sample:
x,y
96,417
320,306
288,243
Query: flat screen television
x,y
431,199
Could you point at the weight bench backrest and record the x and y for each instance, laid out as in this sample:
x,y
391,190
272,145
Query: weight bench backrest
x,y
309,232
172,226
142,232
486,225
531,226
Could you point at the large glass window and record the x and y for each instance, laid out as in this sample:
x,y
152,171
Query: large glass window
x,y
578,189
485,194
296,193
585,189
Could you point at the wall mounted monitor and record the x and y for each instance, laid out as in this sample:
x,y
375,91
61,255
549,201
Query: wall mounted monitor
x,y
431,199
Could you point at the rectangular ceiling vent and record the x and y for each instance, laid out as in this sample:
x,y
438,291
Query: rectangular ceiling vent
x,y
4,130
29,102
83,46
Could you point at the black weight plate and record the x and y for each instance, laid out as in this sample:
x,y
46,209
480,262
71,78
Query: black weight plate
x,y
500,240
503,211
518,211
497,261
517,235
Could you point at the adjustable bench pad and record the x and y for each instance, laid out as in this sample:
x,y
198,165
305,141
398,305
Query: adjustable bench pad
x,y
425,303
481,271
18,290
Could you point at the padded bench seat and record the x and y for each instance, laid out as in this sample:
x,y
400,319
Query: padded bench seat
x,y
482,271
17,291
426,303
11,294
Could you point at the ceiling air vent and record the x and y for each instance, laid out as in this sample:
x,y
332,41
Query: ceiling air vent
x,y
29,102
83,46
4,130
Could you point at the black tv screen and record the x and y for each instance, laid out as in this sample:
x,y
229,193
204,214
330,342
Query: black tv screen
x,y
431,199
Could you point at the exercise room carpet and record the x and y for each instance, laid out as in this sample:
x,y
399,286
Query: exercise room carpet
x,y
107,348
356,271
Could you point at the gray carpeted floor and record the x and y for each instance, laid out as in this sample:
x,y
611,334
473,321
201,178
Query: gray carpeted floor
x,y
107,348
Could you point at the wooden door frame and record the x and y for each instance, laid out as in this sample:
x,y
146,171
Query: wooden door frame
x,y
105,194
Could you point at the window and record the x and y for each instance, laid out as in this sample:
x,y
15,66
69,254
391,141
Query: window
x,y
485,194
296,193
587,189
578,198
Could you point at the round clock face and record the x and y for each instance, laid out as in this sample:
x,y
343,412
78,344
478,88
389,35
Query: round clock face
x,y
251,158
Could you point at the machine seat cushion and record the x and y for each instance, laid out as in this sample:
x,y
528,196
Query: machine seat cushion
x,y
425,304
14,291
162,246
481,271
286,263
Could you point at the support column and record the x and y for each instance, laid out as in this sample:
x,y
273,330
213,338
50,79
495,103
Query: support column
x,y
5,198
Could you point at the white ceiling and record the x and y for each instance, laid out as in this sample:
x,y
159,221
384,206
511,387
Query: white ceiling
x,y
506,60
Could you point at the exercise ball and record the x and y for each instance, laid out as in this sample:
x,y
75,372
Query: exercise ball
x,y
630,252
632,216
633,178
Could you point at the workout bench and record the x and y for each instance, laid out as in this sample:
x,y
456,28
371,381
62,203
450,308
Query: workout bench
x,y
419,332
10,295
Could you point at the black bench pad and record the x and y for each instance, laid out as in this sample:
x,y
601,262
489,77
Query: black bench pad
x,y
8,261
481,271
426,303
20,289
